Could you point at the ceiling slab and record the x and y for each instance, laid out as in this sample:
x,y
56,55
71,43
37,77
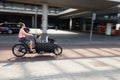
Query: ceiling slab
x,y
78,4
81,5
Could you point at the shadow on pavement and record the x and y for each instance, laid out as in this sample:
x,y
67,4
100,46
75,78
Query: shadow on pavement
x,y
30,58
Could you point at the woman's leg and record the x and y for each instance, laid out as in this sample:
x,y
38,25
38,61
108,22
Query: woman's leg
x,y
30,45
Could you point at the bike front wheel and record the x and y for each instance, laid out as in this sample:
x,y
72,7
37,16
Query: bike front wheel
x,y
19,50
58,50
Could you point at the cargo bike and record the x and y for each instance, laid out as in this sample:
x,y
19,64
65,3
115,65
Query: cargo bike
x,y
41,47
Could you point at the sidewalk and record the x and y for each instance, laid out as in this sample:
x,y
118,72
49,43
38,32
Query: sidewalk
x,y
80,60
70,69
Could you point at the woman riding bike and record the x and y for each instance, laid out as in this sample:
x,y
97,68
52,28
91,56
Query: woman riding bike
x,y
22,36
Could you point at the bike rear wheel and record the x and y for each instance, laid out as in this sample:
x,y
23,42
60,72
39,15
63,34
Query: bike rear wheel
x,y
19,50
58,50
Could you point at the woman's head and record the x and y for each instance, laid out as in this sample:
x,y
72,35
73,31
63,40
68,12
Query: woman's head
x,y
22,25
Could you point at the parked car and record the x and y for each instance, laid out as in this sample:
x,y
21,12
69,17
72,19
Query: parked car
x,y
51,26
9,27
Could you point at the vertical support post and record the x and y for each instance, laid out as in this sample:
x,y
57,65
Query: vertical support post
x,y
118,17
45,18
84,25
36,13
108,29
118,22
92,24
70,28
33,21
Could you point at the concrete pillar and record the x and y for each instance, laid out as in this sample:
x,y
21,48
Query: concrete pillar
x,y
70,24
36,14
118,16
33,21
44,18
118,22
84,26
108,28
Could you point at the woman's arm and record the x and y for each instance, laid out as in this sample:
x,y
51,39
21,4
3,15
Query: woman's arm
x,y
27,33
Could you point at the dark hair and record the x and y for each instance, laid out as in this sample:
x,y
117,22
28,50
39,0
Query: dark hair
x,y
21,20
21,24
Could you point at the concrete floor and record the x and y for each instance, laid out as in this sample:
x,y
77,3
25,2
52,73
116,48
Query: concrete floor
x,y
81,59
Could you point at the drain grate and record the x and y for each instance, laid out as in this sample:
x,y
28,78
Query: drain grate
x,y
98,64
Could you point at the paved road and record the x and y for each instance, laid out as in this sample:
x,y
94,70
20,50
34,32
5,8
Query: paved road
x,y
81,59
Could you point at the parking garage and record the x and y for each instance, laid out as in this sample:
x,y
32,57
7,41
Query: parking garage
x,y
64,17
97,58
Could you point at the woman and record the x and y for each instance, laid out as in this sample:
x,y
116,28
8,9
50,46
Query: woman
x,y
22,36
